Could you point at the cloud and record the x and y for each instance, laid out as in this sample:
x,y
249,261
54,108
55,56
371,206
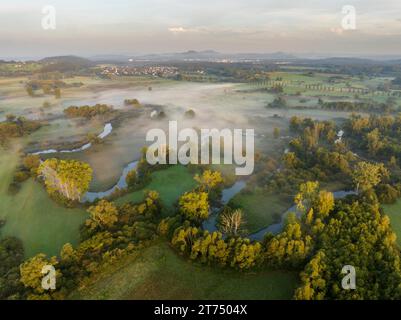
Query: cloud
x,y
178,30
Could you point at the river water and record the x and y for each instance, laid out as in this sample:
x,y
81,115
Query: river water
x,y
121,184
108,128
211,223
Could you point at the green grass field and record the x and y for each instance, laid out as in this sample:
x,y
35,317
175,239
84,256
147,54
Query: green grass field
x,y
159,273
259,209
171,183
394,212
32,216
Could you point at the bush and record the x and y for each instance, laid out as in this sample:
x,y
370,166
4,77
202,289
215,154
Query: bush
x,y
387,194
21,176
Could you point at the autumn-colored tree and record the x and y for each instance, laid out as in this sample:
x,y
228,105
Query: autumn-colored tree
x,y
70,178
194,205
374,142
57,93
367,175
103,215
289,248
313,282
31,272
32,162
209,180
131,178
290,160
246,255
210,248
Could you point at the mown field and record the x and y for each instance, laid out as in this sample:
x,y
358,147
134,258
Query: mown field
x,y
157,272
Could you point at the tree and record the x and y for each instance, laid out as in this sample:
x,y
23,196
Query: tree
x,y
189,114
290,160
209,180
374,142
194,205
32,162
10,117
313,283
131,178
11,256
324,203
308,193
367,175
103,215
31,272
231,223
289,248
57,93
94,139
70,178
245,254
30,91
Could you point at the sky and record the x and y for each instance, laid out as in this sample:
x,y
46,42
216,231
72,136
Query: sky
x,y
91,27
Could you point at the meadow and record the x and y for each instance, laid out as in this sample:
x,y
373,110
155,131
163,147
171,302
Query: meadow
x,y
394,212
32,216
157,272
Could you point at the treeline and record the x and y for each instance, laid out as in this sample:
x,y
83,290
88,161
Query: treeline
x,y
11,256
352,233
15,127
87,111
27,169
376,136
132,102
368,106
111,232
312,155
326,235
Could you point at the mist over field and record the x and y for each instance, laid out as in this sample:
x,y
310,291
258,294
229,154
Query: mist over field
x,y
304,203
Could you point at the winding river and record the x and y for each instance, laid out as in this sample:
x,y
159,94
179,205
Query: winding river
x,y
121,184
108,128
211,223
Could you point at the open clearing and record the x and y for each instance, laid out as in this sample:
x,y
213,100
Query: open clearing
x,y
171,183
260,210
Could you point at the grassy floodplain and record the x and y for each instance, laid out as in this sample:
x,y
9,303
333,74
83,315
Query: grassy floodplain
x,y
32,216
158,272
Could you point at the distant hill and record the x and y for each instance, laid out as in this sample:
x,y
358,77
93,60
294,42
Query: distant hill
x,y
193,55
65,63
